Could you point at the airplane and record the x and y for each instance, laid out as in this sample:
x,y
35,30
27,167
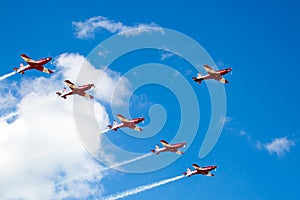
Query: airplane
x,y
169,147
200,170
126,123
80,90
33,64
212,74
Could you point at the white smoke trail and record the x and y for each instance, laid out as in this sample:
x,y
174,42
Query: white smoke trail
x,y
104,169
7,75
142,188
104,131
13,114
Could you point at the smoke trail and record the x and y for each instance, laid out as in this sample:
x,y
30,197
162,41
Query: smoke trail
x,y
7,75
104,131
13,114
10,115
104,169
142,188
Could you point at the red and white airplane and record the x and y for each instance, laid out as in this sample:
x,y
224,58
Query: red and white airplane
x,y
212,74
126,123
33,64
80,90
200,170
169,147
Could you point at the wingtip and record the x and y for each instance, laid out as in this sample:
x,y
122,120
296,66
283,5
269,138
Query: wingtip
x,y
24,55
164,141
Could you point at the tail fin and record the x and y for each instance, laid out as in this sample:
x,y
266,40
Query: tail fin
x,y
109,126
198,75
198,80
155,150
16,69
187,171
58,93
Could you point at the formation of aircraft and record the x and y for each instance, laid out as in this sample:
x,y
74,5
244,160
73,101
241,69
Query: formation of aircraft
x,y
80,90
33,64
169,147
200,170
212,74
126,123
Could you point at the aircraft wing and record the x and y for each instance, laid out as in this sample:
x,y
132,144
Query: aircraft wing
x,y
70,84
27,59
209,70
165,143
197,167
222,80
122,118
179,152
209,174
44,69
84,94
136,128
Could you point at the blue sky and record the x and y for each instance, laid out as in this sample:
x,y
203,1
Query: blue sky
x,y
256,154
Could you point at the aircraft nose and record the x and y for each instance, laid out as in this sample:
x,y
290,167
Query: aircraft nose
x,y
229,69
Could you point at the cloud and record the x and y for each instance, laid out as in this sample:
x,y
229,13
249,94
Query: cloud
x,y
87,29
41,146
111,87
278,145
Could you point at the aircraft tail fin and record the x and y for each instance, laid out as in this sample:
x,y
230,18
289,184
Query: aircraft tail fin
x,y
197,79
16,69
111,127
187,172
156,147
198,75
58,93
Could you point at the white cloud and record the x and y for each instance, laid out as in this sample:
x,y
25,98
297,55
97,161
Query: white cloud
x,y
8,100
87,29
110,86
279,146
41,147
